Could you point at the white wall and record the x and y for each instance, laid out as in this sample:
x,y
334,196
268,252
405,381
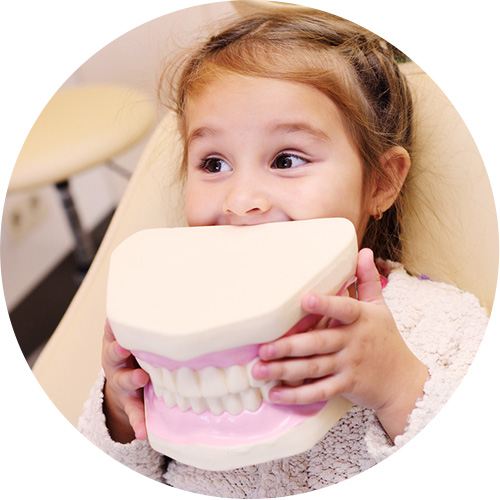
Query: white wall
x,y
133,59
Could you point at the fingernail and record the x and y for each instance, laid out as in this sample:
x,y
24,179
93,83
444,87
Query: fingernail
x,y
136,377
275,395
141,434
260,371
312,301
267,351
141,377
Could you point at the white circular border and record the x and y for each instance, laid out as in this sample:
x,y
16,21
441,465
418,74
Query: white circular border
x,y
44,43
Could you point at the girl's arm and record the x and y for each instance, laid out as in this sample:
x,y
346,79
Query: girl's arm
x,y
355,351
113,416
137,455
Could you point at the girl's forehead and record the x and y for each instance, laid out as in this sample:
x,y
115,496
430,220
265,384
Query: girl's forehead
x,y
255,94
269,108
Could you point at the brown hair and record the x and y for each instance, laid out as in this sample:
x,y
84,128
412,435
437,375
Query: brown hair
x,y
349,64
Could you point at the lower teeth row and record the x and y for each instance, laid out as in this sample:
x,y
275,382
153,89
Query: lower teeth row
x,y
250,400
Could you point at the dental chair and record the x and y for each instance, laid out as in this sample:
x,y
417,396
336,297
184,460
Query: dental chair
x,y
451,232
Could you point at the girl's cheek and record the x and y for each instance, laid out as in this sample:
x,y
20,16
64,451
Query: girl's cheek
x,y
194,211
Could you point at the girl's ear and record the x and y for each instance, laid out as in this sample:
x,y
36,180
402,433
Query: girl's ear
x,y
396,163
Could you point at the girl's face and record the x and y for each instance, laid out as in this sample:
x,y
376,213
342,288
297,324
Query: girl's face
x,y
263,150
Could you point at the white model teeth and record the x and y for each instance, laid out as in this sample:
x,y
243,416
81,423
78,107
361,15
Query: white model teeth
x,y
251,399
232,389
212,382
198,405
167,377
188,380
237,379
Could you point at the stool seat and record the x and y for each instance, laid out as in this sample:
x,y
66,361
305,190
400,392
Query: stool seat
x,y
79,128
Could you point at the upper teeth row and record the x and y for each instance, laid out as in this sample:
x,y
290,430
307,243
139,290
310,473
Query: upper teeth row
x,y
232,389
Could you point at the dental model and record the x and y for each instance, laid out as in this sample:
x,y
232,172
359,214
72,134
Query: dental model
x,y
194,304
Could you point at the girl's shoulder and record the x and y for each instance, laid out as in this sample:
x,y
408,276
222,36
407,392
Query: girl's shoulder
x,y
420,289
433,311
401,280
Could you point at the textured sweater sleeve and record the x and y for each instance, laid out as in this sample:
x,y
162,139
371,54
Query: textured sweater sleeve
x,y
443,326
138,455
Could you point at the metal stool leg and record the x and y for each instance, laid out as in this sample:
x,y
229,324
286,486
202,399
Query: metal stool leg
x,y
84,246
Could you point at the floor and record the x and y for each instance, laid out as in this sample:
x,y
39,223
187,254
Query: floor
x,y
37,316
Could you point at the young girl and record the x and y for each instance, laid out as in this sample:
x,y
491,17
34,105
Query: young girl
x,y
289,115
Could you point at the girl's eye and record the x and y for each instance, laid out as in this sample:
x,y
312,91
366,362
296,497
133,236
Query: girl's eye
x,y
287,160
215,165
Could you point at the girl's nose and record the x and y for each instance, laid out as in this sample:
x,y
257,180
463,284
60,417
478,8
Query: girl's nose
x,y
246,197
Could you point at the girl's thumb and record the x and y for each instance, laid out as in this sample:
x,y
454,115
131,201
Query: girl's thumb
x,y
369,287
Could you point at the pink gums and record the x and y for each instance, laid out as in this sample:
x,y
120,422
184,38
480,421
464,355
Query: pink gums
x,y
220,359
187,427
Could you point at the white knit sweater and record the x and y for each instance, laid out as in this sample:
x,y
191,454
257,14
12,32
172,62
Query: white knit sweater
x,y
442,325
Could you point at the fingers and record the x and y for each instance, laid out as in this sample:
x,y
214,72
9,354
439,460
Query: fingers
x,y
316,365
112,352
295,370
319,390
123,399
116,354
342,309
134,408
301,345
369,287
119,365
130,380
108,333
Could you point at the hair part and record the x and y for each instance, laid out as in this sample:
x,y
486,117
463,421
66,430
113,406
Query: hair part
x,y
350,65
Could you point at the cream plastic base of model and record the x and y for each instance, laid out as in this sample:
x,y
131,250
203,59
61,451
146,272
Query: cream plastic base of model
x,y
194,304
185,292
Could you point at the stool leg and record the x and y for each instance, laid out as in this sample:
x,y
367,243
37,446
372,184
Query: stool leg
x,y
84,246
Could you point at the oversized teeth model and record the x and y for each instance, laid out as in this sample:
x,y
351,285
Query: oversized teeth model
x,y
194,305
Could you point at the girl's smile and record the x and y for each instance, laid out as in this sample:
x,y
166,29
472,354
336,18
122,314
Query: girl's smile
x,y
264,150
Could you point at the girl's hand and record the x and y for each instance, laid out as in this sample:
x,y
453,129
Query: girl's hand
x,y
355,350
123,395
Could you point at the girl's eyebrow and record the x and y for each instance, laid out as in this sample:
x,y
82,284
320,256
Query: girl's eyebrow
x,y
201,133
277,128
299,127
